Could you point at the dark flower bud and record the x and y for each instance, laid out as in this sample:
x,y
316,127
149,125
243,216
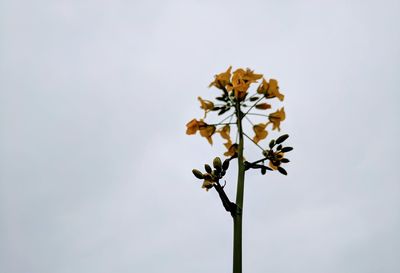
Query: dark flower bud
x,y
198,174
225,165
207,168
285,160
279,147
286,149
281,139
282,170
217,163
272,143
263,171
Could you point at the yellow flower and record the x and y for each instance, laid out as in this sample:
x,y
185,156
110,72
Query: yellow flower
x,y
276,118
199,125
192,127
222,79
225,132
260,132
270,90
207,131
241,81
206,105
232,148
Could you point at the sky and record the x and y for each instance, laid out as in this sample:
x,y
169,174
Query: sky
x,y
95,165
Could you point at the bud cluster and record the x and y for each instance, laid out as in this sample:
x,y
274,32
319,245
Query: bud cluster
x,y
275,155
212,175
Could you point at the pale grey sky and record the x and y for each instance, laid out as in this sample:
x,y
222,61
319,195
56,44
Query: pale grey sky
x,y
95,166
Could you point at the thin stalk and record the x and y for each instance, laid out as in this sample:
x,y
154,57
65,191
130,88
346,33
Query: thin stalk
x,y
237,219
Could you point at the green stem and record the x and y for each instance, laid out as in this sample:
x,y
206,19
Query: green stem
x,y
237,219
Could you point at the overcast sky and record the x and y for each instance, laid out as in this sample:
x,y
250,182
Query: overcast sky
x,y
95,166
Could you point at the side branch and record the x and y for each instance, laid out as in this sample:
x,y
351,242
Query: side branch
x,y
228,205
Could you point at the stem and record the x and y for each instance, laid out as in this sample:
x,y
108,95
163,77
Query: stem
x,y
237,219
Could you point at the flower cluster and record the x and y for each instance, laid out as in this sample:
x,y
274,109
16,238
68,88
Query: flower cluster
x,y
237,102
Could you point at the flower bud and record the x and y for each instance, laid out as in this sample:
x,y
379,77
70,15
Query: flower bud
x,y
225,165
207,168
217,163
197,173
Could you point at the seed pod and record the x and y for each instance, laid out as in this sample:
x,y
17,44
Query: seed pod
x,y
198,174
281,139
225,165
217,163
282,170
286,149
272,143
263,106
208,168
254,98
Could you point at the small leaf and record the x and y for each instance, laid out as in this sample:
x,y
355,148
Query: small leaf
x,y
286,149
282,170
279,147
281,139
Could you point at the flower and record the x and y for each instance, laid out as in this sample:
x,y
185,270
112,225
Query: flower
x,y
225,132
241,81
206,105
276,118
232,148
260,132
222,79
192,127
270,90
205,129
